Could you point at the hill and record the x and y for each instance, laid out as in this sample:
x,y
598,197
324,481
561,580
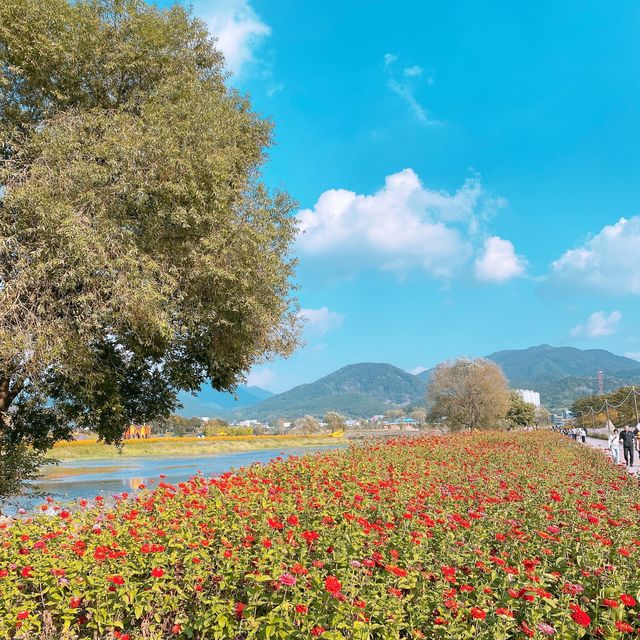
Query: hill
x,y
562,374
209,402
356,390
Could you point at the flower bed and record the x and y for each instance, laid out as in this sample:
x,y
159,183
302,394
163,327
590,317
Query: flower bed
x,y
485,536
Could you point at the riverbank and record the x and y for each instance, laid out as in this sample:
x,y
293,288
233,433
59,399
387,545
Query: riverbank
x,y
187,446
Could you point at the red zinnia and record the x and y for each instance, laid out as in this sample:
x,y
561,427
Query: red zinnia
x,y
22,615
116,579
478,614
580,617
630,601
332,585
625,627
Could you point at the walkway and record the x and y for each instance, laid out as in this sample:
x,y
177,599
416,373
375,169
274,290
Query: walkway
x,y
602,444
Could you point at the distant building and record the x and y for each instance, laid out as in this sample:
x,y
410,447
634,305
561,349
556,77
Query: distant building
x,y
563,418
137,432
529,396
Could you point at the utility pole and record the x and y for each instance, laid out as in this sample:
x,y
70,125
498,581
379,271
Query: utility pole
x,y
635,404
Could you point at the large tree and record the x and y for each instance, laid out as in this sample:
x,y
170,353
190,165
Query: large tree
x,y
468,394
140,254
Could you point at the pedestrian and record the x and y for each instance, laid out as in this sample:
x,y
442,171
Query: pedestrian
x,y
583,434
627,437
614,446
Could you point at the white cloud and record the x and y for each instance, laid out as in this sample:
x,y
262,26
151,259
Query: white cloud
x,y
498,261
599,324
416,370
607,262
320,321
405,87
413,71
236,26
402,227
261,377
389,58
634,355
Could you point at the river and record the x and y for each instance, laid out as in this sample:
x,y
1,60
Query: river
x,y
77,479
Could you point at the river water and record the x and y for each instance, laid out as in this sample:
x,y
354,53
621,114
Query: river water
x,y
90,478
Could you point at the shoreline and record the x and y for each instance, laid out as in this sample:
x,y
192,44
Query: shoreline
x,y
183,447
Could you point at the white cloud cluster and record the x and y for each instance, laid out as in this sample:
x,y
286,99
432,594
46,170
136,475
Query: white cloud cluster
x,y
236,26
598,325
402,227
607,262
498,261
320,321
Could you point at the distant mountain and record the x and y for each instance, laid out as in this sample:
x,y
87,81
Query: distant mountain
x,y
357,390
209,402
562,374
544,361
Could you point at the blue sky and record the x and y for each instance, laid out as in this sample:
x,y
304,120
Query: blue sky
x,y
467,172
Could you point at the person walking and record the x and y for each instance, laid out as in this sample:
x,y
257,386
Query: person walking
x,y
627,437
582,434
614,446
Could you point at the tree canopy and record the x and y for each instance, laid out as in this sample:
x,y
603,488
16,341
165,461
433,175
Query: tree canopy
x,y
140,253
468,394
520,413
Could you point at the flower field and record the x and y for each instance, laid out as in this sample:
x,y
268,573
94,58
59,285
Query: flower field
x,y
490,536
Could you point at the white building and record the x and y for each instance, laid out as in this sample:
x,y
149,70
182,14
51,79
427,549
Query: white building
x,y
529,396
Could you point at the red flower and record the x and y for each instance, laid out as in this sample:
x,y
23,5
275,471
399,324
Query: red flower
x,y
625,627
332,585
176,629
239,610
317,631
608,602
630,601
26,572
119,580
310,536
274,523
301,608
478,614
22,615
579,616
502,611
157,572
74,603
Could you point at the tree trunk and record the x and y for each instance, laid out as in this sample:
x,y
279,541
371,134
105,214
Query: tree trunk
x,y
4,394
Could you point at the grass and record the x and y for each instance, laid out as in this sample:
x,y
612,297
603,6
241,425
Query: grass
x,y
187,446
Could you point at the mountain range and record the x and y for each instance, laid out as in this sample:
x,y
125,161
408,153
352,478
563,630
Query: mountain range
x,y
560,374
209,402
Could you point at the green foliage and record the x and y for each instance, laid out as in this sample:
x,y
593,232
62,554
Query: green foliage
x,y
176,425
622,409
520,413
139,252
